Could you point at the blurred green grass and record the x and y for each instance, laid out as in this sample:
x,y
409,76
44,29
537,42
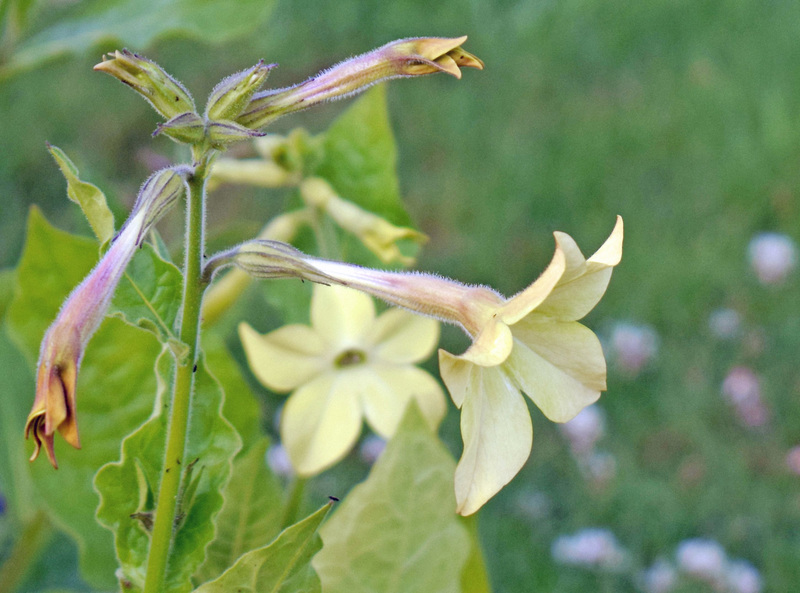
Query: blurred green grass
x,y
680,116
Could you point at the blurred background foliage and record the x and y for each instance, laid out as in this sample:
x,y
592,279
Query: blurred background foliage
x,y
679,115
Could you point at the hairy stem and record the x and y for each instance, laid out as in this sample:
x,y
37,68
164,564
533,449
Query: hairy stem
x,y
183,386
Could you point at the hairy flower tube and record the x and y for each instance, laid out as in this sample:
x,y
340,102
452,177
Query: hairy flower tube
x,y
347,366
401,58
54,407
529,343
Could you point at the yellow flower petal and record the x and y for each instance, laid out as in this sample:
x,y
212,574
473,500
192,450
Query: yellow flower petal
x,y
583,282
385,391
492,346
285,358
401,337
341,315
497,433
320,423
560,366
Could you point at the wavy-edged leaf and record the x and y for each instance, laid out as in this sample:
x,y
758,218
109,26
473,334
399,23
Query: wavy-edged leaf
x,y
82,25
127,487
87,195
149,294
398,532
284,566
114,390
251,514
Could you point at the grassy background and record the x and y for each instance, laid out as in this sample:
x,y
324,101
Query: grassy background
x,y
680,116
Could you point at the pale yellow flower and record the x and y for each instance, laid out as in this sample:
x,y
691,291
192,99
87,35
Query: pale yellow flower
x,y
348,365
531,343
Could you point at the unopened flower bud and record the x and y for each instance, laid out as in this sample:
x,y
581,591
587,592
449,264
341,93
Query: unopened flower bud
x,y
402,58
222,133
164,93
187,127
233,93
378,234
158,194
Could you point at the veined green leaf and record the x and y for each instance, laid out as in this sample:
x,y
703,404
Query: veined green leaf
x,y
251,514
127,487
149,294
284,566
7,279
82,25
398,531
474,578
52,264
87,195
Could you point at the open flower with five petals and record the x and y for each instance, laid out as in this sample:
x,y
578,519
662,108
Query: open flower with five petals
x,y
347,366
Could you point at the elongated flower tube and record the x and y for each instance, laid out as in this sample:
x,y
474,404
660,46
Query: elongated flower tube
x,y
402,58
529,343
64,343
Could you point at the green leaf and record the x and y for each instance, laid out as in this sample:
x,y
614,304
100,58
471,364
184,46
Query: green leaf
x,y
82,25
15,478
114,390
241,408
398,531
360,157
52,264
474,578
149,294
251,514
7,279
284,566
87,195
126,487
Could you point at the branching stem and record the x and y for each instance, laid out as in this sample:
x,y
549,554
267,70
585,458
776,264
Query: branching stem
x,y
183,386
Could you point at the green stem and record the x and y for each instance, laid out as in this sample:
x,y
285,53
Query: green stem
x,y
34,536
167,502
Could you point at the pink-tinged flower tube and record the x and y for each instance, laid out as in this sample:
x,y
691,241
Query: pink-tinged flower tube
x,y
64,342
401,58
531,343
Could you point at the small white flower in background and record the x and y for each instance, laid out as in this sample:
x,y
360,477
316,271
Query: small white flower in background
x,y
724,324
773,256
585,429
660,577
371,448
278,461
743,577
703,559
793,460
633,346
742,389
589,548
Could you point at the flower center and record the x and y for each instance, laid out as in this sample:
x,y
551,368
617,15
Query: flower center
x,y
350,358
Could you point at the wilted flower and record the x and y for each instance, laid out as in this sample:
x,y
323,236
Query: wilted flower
x,y
347,366
402,58
530,343
590,548
54,407
773,256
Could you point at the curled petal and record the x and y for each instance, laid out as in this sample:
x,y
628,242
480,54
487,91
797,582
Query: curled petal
x,y
497,433
320,423
537,293
285,358
584,282
401,337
